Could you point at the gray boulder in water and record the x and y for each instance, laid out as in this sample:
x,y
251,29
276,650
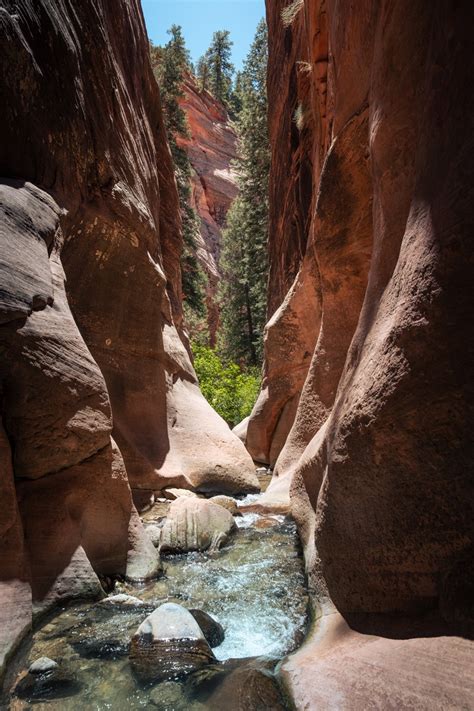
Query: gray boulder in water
x,y
195,525
168,645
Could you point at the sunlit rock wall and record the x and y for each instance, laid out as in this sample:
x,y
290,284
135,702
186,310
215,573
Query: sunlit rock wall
x,y
211,148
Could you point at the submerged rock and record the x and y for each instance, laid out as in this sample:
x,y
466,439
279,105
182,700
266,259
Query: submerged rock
x,y
250,690
51,682
168,644
238,685
212,630
107,641
196,525
170,696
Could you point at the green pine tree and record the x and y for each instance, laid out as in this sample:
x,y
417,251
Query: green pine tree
x,y
202,73
235,101
221,68
244,256
169,64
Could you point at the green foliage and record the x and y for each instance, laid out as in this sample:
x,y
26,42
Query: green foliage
x,y
169,65
236,97
202,73
244,256
220,67
228,389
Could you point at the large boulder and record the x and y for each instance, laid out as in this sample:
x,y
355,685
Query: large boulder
x,y
195,525
168,644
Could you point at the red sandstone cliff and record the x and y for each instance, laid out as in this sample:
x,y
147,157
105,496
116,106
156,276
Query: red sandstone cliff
x,y
90,309
211,148
366,406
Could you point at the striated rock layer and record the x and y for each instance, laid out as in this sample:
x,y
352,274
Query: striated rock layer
x,y
211,148
91,343
366,406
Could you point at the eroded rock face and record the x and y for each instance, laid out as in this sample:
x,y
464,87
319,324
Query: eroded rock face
x,y
365,411
90,307
211,148
168,644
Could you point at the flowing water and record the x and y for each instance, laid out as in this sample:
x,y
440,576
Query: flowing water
x,y
254,586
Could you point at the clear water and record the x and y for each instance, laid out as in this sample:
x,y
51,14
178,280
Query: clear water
x,y
255,587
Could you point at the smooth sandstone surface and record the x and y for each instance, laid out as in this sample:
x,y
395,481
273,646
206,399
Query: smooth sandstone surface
x,y
365,411
92,342
342,669
375,444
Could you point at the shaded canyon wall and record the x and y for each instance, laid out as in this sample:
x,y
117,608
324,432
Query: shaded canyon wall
x,y
97,391
366,406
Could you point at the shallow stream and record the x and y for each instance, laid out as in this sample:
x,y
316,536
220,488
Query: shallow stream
x,y
254,586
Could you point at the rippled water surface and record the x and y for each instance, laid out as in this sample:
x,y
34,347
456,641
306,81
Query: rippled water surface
x,y
254,586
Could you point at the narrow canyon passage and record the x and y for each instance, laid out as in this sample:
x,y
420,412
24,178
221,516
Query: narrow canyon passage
x,y
236,394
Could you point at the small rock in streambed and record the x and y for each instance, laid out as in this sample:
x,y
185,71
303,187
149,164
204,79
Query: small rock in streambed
x,y
105,634
212,630
170,696
41,665
53,683
101,645
121,599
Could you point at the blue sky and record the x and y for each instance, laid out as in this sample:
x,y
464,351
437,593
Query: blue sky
x,y
201,18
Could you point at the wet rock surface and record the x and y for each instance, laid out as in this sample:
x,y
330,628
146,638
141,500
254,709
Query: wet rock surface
x,y
169,644
212,630
52,683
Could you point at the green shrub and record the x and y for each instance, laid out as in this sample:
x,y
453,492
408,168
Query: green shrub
x,y
229,390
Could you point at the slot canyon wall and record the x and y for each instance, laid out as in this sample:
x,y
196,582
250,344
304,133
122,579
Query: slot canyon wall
x,y
97,391
366,406
211,149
